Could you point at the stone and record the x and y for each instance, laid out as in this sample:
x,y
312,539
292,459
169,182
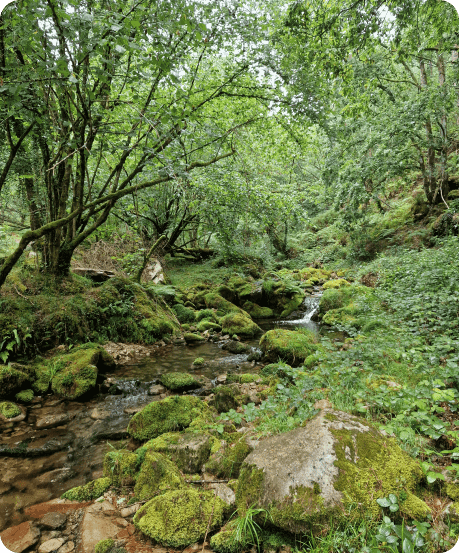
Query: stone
x,y
53,520
67,547
188,451
156,390
55,476
21,537
224,492
99,414
94,274
311,474
51,545
131,510
96,527
221,378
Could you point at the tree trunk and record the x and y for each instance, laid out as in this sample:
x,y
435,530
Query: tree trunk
x,y
430,171
443,185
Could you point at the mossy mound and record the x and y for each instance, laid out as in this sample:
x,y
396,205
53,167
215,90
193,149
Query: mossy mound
x,y
258,312
25,396
157,475
228,540
9,410
348,306
179,381
275,369
215,301
199,361
289,345
167,415
104,546
205,324
191,338
184,314
180,518
208,314
240,324
227,462
225,398
12,380
120,466
338,283
91,490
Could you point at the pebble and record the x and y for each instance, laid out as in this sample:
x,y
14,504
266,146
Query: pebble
x,y
67,547
51,545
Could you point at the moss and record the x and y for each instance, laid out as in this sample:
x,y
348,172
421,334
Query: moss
x,y
291,304
338,283
226,541
192,338
245,378
179,381
199,361
208,325
452,490
215,301
91,490
225,398
256,311
370,469
228,461
249,487
9,409
104,546
171,413
275,369
208,314
157,475
184,314
180,518
239,324
293,347
12,380
120,465
25,396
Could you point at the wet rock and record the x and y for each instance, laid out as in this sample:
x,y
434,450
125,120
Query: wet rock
x,y
53,520
156,390
51,545
95,275
55,476
96,527
221,378
21,537
67,547
99,414
111,428
236,347
134,410
52,446
51,421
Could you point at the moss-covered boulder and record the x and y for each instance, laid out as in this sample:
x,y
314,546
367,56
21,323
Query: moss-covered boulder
x,y
157,475
184,314
180,518
170,414
240,324
9,409
225,398
120,466
348,306
178,382
188,450
25,396
12,380
337,283
227,461
74,374
313,474
289,345
256,311
215,301
191,338
205,324
91,490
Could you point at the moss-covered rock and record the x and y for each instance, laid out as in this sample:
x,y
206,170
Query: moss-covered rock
x,y
292,346
184,314
228,540
240,324
208,314
225,398
179,381
104,546
120,466
157,475
180,518
215,301
167,415
25,396
313,474
12,380
227,462
74,374
191,338
205,324
188,450
348,306
338,283
91,490
9,410
256,311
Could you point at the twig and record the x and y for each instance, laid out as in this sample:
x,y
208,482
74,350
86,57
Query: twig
x,y
22,296
210,520
206,481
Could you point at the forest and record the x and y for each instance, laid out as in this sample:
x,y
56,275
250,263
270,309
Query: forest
x,y
229,259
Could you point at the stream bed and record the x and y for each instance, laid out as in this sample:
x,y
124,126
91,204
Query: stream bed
x,y
64,442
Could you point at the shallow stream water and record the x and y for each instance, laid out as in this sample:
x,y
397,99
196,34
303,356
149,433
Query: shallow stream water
x,y
76,433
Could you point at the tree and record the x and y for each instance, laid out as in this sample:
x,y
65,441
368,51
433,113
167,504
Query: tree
x,y
111,96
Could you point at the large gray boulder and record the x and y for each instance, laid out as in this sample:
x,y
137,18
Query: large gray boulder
x,y
334,464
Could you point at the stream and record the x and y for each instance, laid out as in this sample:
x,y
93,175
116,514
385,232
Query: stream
x,y
65,441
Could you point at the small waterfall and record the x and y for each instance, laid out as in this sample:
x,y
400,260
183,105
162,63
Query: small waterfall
x,y
311,305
